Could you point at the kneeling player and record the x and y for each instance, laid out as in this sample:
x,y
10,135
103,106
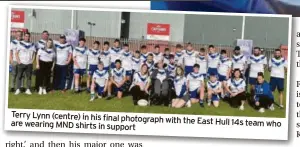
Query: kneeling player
x,y
214,90
117,79
195,82
99,82
180,85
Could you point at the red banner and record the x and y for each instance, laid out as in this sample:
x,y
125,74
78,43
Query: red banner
x,y
158,29
17,16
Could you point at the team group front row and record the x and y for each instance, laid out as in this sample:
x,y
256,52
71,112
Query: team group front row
x,y
177,79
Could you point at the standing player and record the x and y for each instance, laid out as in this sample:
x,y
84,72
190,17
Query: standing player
x,y
99,82
179,54
126,59
93,61
278,67
214,90
62,60
115,52
257,63
189,59
212,60
239,61
25,55
117,80
166,56
80,62
224,68
171,67
105,56
13,60
195,84
150,63
136,62
157,55
144,53
202,61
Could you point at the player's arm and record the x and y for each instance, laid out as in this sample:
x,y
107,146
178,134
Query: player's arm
x,y
202,90
75,61
69,56
124,79
106,82
37,60
112,79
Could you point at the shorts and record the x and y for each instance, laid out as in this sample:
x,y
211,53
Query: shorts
x,y
80,71
99,89
92,69
106,68
194,94
212,70
128,72
188,69
252,81
215,97
121,89
276,83
222,78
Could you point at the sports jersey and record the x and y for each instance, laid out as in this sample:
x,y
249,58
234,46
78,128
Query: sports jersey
x,y
213,60
144,56
118,74
46,55
80,53
136,63
150,66
277,67
189,58
26,52
257,64
105,58
180,86
161,75
13,47
126,60
201,60
214,85
157,57
166,58
171,70
62,52
179,57
40,44
101,76
195,80
115,53
263,90
236,85
139,78
224,66
93,56
239,61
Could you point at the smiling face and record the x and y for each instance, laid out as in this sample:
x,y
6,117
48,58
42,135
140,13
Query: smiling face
x,y
49,44
237,74
144,69
260,79
27,37
45,36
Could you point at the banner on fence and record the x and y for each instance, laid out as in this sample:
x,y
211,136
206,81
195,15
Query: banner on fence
x,y
157,31
72,36
246,46
17,19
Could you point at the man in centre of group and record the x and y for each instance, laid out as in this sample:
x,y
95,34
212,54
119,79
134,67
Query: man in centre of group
x,y
93,60
80,63
189,59
195,85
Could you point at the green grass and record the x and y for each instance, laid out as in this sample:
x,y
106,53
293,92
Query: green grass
x,y
80,102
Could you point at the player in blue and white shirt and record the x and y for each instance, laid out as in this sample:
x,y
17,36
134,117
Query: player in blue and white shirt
x,y
239,60
144,53
126,59
171,67
157,55
93,60
257,63
99,81
224,68
80,54
63,58
212,60
181,90
105,56
140,85
13,60
202,61
189,59
42,42
214,90
136,62
115,52
179,54
117,80
150,63
166,56
278,67
195,84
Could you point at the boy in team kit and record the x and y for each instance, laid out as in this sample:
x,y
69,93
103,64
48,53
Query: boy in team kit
x,y
117,80
126,59
214,90
212,60
157,55
202,61
224,68
80,56
166,56
144,53
105,56
189,59
136,62
150,63
195,85
179,54
99,82
93,56
278,68
115,52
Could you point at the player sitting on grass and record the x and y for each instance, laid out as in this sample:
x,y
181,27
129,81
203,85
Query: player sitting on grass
x,y
214,90
99,82
139,86
263,95
117,80
195,84
80,61
180,85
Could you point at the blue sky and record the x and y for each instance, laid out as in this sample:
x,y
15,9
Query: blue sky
x,y
294,2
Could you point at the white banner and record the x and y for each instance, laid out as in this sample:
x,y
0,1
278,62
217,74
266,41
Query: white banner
x,y
246,46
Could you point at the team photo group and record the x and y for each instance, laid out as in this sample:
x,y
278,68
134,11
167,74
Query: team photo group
x,y
159,77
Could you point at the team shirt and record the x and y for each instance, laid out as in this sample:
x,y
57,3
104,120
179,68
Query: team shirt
x,y
144,56
139,78
263,90
166,59
171,70
257,64
100,76
214,85
150,66
178,57
118,74
239,61
136,63
277,67
13,48
81,54
224,66
115,53
195,80
201,60
105,58
26,52
157,57
40,44
126,60
180,85
62,53
93,56
236,85
46,55
189,58
161,75
213,60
